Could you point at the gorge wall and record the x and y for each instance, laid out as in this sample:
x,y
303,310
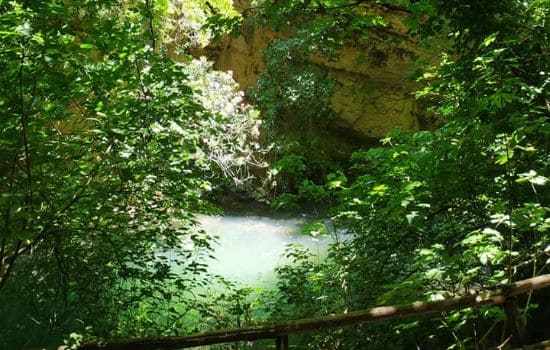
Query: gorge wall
x,y
374,91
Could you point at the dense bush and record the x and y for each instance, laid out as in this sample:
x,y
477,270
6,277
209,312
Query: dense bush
x,y
440,213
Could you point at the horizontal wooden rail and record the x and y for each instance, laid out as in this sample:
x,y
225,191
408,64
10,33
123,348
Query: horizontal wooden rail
x,y
277,331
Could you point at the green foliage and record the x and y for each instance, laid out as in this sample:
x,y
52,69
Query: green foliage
x,y
291,85
285,173
107,147
315,229
300,285
300,157
220,25
291,174
196,23
285,201
435,214
293,92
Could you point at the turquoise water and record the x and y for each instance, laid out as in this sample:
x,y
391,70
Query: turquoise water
x,y
251,247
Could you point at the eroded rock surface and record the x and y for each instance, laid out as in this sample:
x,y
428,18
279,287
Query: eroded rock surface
x,y
374,91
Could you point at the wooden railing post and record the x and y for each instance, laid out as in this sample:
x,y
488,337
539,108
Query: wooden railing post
x,y
282,342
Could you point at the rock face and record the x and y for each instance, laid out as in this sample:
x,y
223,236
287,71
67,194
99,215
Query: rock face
x,y
374,93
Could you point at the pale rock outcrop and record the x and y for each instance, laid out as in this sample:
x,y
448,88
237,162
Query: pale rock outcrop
x,y
374,91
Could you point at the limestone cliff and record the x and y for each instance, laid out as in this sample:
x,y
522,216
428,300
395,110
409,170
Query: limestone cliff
x,y
373,86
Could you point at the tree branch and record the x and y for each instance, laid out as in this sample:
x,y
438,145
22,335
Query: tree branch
x,y
9,267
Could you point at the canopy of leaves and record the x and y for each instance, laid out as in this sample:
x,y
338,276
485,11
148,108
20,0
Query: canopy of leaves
x,y
107,146
435,213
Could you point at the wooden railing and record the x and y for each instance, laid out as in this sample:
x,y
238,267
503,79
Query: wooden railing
x,y
503,295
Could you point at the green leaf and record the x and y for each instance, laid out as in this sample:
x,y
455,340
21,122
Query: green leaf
x,y
87,46
532,177
490,39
